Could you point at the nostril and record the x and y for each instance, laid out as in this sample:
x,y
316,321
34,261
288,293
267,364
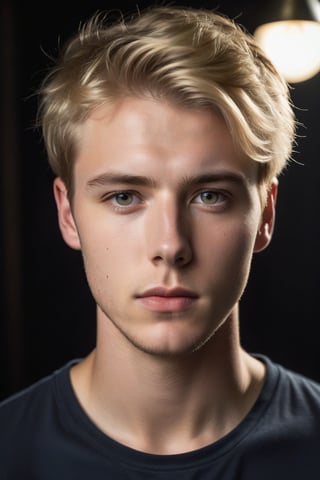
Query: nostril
x,y
158,259
180,260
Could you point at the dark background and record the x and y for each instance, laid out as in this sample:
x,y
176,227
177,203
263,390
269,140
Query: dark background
x,y
47,313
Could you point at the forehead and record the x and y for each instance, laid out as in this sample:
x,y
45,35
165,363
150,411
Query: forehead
x,y
149,134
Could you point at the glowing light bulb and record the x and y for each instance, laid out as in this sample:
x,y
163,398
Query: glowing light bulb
x,y
293,46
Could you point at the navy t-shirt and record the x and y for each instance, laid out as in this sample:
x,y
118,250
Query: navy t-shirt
x,y
45,435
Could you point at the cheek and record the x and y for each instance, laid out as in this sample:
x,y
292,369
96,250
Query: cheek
x,y
228,248
107,253
241,245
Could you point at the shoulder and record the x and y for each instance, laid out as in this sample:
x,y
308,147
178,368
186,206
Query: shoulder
x,y
298,388
293,401
283,437
286,378
29,419
21,409
24,398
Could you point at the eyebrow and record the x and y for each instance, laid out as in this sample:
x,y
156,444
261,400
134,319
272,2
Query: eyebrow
x,y
108,178
112,178
213,177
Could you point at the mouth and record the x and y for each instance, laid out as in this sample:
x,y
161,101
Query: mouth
x,y
163,300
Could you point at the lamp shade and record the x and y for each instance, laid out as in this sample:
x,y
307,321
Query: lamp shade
x,y
291,39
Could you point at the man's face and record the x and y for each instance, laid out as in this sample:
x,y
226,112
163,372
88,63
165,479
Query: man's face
x,y
166,214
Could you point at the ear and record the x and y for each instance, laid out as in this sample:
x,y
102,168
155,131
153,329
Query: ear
x,y
266,227
67,224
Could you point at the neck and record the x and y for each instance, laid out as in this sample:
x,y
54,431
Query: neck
x,y
154,403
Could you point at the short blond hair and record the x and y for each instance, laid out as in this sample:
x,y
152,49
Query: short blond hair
x,y
191,57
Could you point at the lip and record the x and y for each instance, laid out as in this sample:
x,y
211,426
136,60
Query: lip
x,y
161,299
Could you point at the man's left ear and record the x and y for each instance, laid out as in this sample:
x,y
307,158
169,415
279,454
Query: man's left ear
x,y
265,231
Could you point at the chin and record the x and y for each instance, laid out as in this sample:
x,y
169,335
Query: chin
x,y
173,346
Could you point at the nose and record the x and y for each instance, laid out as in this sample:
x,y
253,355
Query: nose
x,y
168,235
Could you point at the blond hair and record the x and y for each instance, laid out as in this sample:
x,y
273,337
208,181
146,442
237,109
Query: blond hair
x,y
192,57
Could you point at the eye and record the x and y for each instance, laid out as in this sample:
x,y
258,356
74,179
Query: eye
x,y
123,199
210,197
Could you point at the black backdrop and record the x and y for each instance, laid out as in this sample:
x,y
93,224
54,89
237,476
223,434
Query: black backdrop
x,y
47,313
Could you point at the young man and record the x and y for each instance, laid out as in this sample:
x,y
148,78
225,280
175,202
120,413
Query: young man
x,y
167,134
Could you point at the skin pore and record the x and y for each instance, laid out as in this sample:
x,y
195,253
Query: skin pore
x,y
167,215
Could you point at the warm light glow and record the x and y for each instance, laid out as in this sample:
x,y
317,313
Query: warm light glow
x,y
293,46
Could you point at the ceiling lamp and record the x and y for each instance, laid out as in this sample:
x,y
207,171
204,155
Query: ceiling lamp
x,y
291,37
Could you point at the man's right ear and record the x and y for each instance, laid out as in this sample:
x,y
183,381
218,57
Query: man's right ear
x,y
67,224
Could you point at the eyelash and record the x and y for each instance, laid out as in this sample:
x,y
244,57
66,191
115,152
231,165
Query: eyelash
x,y
112,198
222,198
